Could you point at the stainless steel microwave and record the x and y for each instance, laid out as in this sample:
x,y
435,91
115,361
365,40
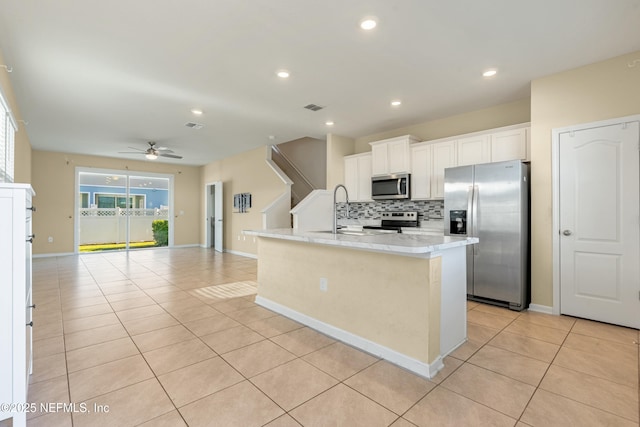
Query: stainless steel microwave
x,y
394,186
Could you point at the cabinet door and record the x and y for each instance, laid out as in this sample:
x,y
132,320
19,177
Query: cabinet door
x,y
474,150
6,302
350,178
379,159
421,172
443,155
509,145
398,156
364,178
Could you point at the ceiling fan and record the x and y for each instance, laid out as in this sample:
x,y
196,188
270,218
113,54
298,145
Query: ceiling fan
x,y
153,152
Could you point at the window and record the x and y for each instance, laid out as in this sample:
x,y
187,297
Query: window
x,y
7,141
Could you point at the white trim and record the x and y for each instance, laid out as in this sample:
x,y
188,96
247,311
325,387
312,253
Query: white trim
x,y
276,169
209,240
555,209
244,254
541,309
5,103
423,369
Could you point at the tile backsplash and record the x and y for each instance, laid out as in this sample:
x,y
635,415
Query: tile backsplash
x,y
427,209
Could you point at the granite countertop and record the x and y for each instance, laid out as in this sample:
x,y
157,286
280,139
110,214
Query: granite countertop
x,y
394,243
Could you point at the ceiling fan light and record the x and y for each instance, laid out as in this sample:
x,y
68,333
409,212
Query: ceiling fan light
x,y
151,156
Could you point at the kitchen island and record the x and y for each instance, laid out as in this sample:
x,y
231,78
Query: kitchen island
x,y
400,297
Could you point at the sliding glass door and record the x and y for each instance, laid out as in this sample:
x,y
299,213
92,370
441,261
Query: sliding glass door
x,y
120,210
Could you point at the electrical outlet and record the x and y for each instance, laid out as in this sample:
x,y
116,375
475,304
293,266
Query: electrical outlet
x,y
324,284
50,239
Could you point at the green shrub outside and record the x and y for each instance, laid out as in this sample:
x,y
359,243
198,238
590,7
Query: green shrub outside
x,y
160,228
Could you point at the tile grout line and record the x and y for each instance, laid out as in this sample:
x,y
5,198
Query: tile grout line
x,y
485,344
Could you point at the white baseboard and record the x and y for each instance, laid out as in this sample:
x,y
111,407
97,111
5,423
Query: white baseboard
x,y
245,254
52,255
541,308
423,369
191,245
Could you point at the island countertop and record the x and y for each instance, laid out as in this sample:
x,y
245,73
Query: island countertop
x,y
394,243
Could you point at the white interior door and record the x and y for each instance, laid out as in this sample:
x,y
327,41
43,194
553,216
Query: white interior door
x,y
599,219
218,223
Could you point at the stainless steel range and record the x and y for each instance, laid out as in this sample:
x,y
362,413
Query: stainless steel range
x,y
396,220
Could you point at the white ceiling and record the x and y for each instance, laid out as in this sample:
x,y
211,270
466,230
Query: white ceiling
x,y
96,76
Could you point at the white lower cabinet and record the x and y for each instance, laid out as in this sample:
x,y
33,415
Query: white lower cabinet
x,y
15,299
357,177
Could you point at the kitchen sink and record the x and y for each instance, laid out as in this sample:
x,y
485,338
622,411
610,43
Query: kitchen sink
x,y
356,232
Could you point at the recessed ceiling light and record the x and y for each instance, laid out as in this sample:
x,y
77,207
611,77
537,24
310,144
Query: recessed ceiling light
x,y
368,24
283,74
328,123
490,73
197,111
396,103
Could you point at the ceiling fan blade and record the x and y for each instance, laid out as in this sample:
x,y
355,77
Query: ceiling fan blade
x,y
131,152
171,156
134,148
164,150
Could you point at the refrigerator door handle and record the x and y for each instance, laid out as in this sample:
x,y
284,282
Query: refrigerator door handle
x,y
474,218
470,211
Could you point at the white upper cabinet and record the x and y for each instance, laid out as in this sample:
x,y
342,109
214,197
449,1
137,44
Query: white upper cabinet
x,y
391,155
421,171
426,161
474,150
357,177
510,145
443,155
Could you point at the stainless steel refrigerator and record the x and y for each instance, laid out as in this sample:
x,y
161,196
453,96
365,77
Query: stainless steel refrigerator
x,y
491,202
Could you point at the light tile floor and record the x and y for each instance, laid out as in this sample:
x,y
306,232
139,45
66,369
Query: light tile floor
x,y
172,337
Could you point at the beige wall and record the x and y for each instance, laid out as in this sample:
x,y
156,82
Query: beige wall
x,y
363,295
22,161
308,155
337,148
595,92
245,173
488,118
54,183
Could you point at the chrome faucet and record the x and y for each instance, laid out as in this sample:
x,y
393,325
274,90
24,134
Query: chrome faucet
x,y
335,206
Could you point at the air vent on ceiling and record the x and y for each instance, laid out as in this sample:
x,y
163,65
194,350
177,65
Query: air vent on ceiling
x,y
313,107
193,125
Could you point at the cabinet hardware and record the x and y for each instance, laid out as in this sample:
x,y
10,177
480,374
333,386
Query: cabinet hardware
x,y
32,306
32,208
30,324
30,240
32,235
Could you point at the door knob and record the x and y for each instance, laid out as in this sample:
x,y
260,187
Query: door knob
x,y
567,232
